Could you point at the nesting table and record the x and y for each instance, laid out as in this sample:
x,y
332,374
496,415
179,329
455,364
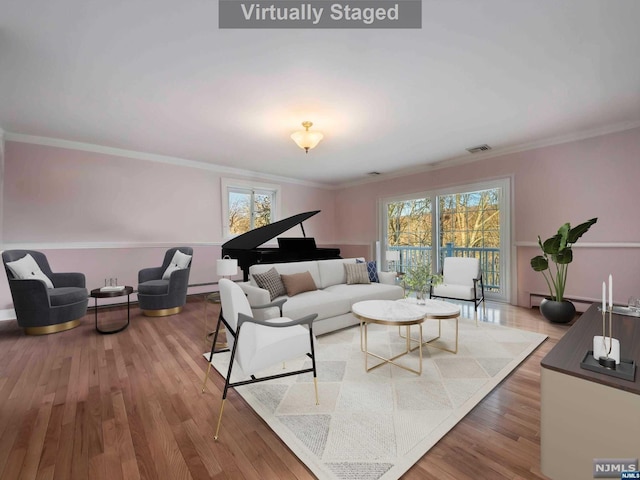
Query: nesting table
x,y
388,312
404,313
438,310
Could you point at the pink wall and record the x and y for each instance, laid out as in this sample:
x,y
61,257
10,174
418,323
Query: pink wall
x,y
109,216
596,177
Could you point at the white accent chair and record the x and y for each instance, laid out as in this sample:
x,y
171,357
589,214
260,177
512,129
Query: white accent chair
x,y
257,345
461,280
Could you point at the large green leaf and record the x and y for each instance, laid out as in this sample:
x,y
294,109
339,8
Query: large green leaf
x,y
563,232
563,257
539,263
551,246
576,232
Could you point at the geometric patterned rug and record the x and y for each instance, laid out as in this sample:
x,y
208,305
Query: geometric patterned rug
x,y
376,425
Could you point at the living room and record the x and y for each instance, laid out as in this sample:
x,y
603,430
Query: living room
x,y
61,209
109,206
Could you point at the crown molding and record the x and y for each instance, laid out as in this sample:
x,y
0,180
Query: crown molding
x,y
153,157
446,163
498,152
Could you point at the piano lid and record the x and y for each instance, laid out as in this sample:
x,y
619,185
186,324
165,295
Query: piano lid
x,y
256,237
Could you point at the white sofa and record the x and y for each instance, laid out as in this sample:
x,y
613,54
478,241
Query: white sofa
x,y
333,299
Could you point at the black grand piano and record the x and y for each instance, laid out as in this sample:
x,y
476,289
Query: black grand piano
x,y
246,247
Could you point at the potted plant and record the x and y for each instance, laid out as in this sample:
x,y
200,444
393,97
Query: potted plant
x,y
557,250
418,278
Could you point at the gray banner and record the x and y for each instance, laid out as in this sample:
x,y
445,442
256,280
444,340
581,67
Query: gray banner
x,y
320,14
613,467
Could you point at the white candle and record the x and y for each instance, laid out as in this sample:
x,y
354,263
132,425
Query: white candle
x,y
604,296
610,291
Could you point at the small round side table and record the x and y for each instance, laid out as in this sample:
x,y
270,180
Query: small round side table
x,y
97,293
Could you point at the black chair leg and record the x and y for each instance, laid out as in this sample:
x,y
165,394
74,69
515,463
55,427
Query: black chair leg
x,y
227,383
213,347
313,363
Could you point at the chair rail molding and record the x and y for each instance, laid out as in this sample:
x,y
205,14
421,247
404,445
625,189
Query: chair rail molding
x,y
102,245
589,244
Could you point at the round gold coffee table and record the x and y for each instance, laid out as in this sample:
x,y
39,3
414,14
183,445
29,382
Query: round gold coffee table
x,y
389,312
437,310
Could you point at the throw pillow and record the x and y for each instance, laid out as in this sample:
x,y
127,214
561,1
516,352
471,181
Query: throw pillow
x,y
372,270
270,281
178,262
356,273
27,268
298,282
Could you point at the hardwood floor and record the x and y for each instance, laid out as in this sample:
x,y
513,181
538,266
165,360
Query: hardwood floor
x,y
79,405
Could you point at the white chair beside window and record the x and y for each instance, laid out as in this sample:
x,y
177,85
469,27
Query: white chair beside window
x,y
257,345
461,280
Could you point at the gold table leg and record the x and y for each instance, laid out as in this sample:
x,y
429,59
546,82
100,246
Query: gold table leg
x,y
364,325
431,340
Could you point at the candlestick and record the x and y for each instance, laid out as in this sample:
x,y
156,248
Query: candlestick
x,y
604,297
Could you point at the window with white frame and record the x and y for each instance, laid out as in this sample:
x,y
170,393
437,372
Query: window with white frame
x,y
466,221
247,205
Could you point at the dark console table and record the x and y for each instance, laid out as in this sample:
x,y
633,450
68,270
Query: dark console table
x,y
585,414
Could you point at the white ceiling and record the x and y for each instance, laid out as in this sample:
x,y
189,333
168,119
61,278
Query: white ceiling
x,y
158,76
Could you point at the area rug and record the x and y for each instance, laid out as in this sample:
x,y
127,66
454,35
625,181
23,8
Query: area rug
x,y
376,425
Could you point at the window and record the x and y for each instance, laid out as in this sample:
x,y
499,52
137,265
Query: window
x,y
246,206
467,221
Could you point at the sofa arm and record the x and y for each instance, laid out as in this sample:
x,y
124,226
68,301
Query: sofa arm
x,y
388,278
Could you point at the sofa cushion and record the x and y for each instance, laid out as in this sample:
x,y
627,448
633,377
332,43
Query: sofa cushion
x,y
154,287
453,291
288,269
66,295
332,271
270,281
298,283
356,273
371,291
372,270
27,268
324,304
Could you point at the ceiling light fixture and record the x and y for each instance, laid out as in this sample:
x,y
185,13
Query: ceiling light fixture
x,y
306,139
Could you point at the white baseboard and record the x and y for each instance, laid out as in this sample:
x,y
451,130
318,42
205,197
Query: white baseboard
x,y
8,314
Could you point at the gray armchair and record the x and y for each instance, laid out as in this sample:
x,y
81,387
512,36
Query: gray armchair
x,y
41,310
158,296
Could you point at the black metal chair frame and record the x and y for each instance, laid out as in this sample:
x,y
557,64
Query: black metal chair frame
x,y
242,318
